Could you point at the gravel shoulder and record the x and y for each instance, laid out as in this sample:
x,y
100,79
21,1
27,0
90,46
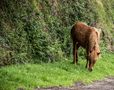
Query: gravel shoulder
x,y
106,84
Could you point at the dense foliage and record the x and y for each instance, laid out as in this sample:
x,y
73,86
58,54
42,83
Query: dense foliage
x,y
41,28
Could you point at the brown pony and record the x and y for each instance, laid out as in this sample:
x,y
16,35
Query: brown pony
x,y
88,38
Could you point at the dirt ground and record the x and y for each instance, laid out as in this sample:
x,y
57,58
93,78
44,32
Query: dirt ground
x,y
106,84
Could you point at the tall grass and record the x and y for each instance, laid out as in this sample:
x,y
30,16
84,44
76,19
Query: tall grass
x,y
31,76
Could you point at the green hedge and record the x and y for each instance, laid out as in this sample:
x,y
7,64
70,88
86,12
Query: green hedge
x,y
41,28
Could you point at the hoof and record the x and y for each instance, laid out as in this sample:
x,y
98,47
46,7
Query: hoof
x,y
75,63
86,66
90,70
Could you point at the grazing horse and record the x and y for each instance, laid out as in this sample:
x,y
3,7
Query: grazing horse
x,y
87,37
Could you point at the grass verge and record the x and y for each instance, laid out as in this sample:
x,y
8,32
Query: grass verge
x,y
31,76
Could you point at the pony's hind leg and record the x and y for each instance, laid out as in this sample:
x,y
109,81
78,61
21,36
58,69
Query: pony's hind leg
x,y
74,52
77,46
